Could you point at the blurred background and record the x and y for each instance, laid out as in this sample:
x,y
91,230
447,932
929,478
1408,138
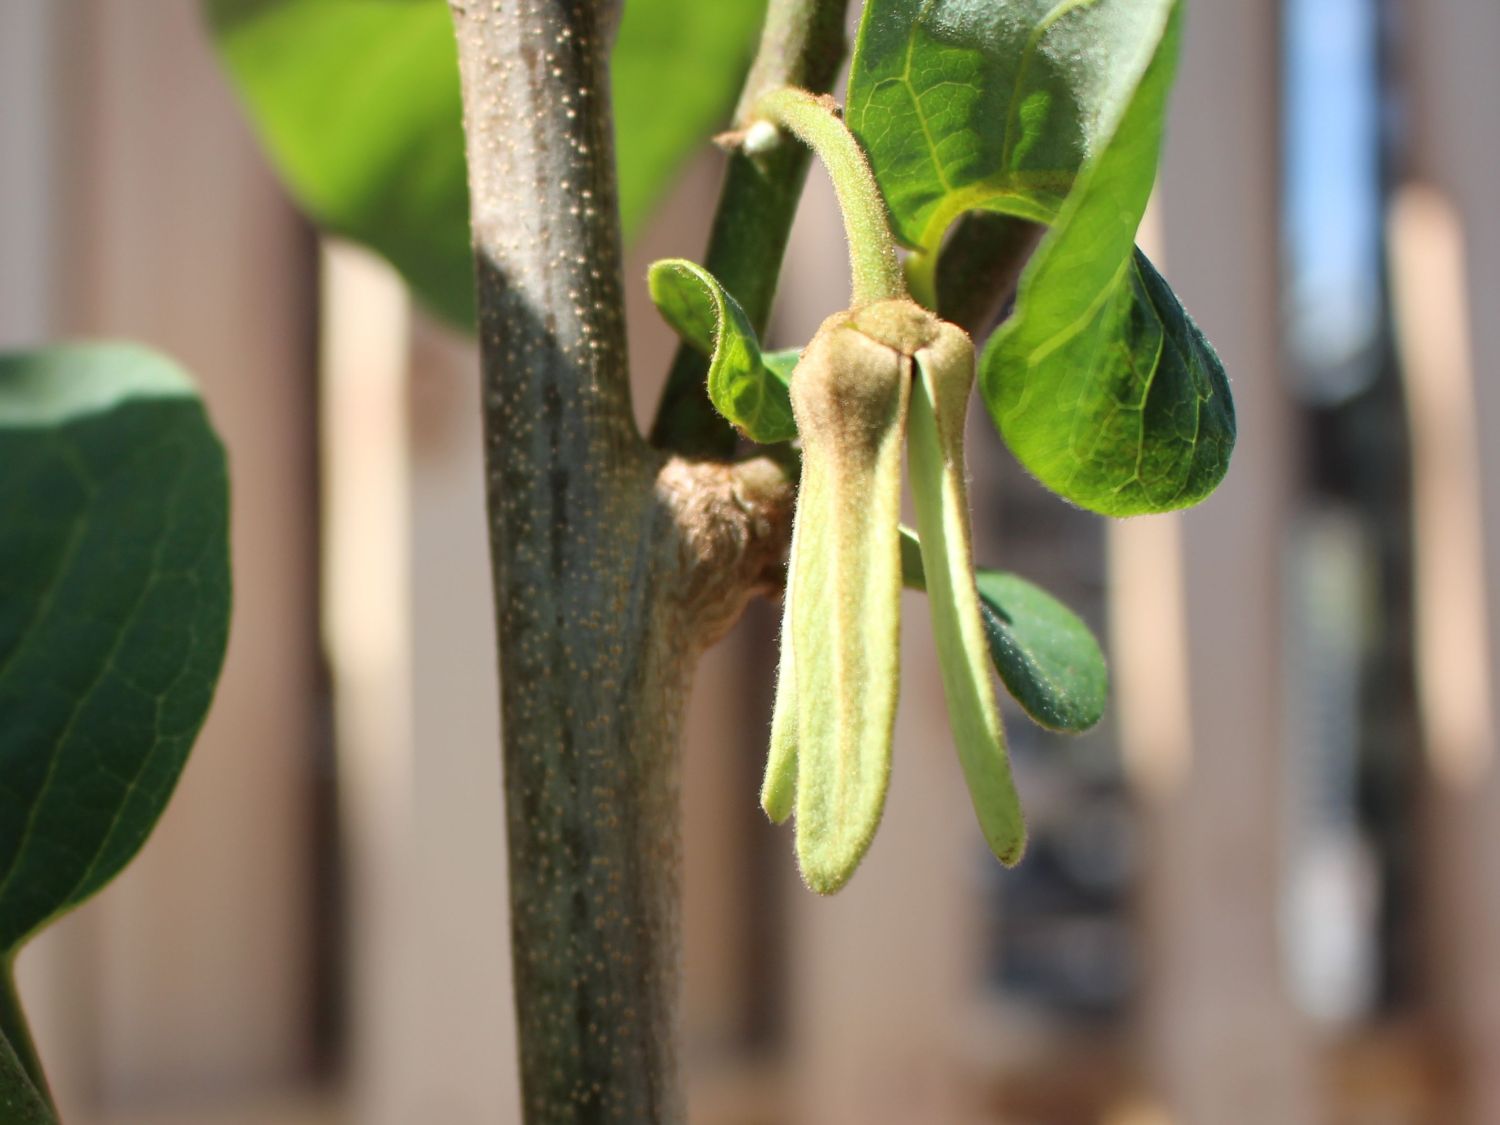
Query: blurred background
x,y
1265,890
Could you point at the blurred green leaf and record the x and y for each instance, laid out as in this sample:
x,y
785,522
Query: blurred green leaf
x,y
1100,383
783,362
358,104
677,69
114,611
748,388
1048,659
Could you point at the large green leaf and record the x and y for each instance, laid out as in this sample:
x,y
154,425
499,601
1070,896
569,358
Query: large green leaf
x,y
114,609
1101,383
1053,111
358,104
746,386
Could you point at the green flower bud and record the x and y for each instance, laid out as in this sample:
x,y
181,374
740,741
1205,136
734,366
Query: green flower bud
x,y
831,733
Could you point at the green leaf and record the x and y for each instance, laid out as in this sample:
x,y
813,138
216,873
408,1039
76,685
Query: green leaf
x,y
1124,409
991,104
677,69
1102,386
358,104
746,387
1047,658
114,610
783,362
24,1095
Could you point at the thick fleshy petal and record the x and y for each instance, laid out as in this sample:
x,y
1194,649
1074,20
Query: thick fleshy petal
x,y
850,394
939,403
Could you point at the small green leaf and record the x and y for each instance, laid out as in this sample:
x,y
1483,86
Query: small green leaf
x,y
1046,656
1052,112
23,1083
114,610
358,104
935,459
748,388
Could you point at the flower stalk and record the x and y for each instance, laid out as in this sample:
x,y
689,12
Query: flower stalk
x,y
875,272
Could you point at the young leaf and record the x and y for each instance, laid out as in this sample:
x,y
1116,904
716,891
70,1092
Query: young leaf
x,y
748,388
358,104
1051,112
114,610
1047,658
850,394
939,405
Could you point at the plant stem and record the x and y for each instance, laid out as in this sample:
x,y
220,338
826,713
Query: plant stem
x,y
613,566
588,705
15,1034
814,120
802,45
